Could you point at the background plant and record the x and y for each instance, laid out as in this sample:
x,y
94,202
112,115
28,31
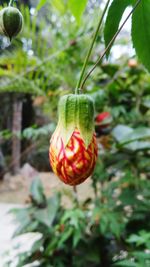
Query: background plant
x,y
111,228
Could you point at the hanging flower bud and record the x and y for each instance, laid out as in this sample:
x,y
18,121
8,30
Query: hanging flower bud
x,y
11,21
73,148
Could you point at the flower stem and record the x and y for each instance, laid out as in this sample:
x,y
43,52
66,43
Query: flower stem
x,y
11,3
75,195
110,44
77,90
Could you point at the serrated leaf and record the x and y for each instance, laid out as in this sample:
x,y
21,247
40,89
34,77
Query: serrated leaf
x,y
141,32
77,8
113,19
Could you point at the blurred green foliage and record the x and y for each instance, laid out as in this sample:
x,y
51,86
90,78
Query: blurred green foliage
x,y
108,229
111,228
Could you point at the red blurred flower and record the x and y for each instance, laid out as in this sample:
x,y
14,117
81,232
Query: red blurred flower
x,y
103,118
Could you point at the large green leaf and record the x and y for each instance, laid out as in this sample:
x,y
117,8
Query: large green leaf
x,y
121,131
77,8
132,139
113,19
138,145
136,134
124,134
141,32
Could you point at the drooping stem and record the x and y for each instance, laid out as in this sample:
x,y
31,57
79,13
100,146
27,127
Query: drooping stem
x,y
75,195
11,3
110,44
91,47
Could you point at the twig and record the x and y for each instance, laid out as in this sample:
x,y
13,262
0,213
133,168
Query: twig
x,y
110,43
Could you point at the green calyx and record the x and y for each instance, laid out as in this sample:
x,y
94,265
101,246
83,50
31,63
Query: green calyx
x,y
76,111
11,21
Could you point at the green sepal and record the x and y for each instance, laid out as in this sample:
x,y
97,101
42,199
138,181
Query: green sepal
x,y
76,111
85,118
67,117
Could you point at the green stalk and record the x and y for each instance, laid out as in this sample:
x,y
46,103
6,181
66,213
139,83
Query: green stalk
x,y
110,44
77,90
75,195
11,3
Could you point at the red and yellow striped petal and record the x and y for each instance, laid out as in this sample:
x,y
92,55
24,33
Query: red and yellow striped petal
x,y
72,163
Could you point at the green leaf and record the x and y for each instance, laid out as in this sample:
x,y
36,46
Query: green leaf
x,y
47,216
104,221
59,5
77,8
24,220
146,101
37,192
132,139
66,235
40,4
126,263
113,19
53,206
142,238
136,134
138,145
141,32
121,131
76,237
37,245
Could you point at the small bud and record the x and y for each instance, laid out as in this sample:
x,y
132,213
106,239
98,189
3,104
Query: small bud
x,y
11,21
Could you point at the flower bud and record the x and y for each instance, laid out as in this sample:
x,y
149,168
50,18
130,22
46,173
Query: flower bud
x,y
11,21
73,148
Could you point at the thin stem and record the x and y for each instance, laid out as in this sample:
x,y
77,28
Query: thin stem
x,y
110,43
11,3
75,195
90,49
